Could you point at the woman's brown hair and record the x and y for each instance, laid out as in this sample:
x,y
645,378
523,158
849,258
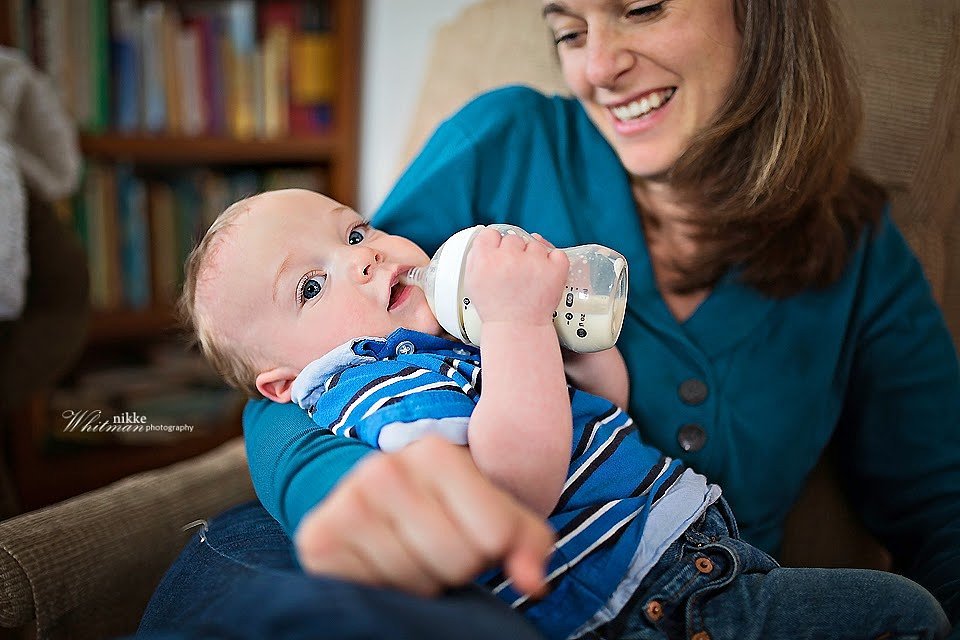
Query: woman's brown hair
x,y
772,179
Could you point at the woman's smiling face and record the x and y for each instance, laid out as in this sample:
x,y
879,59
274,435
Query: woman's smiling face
x,y
649,74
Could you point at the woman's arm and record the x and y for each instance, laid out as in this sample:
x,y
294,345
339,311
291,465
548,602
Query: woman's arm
x,y
901,423
422,519
293,463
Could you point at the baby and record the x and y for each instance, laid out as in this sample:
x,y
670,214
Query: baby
x,y
294,297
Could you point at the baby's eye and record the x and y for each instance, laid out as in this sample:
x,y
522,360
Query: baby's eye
x,y
310,286
357,234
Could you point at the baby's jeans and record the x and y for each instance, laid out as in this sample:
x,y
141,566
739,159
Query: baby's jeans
x,y
710,585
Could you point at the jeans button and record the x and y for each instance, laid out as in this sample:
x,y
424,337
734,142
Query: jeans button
x,y
703,565
654,611
700,635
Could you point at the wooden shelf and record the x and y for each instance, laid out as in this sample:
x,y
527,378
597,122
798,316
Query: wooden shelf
x,y
182,150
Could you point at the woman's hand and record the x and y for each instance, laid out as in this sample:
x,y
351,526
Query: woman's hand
x,y
421,520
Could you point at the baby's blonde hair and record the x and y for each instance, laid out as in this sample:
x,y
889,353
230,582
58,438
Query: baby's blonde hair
x,y
233,363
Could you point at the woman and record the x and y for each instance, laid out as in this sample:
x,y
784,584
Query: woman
x,y
773,305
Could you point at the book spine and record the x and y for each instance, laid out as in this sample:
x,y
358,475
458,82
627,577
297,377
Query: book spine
x,y
192,105
164,242
312,70
134,239
154,95
125,62
172,81
213,72
241,39
98,91
276,96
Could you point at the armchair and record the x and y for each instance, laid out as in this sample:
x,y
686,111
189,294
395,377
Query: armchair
x,y
85,567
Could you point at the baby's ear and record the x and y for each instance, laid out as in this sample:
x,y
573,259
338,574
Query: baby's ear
x,y
277,384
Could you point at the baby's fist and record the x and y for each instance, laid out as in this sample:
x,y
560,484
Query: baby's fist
x,y
512,280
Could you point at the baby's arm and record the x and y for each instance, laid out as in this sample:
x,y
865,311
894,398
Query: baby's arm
x,y
603,374
520,433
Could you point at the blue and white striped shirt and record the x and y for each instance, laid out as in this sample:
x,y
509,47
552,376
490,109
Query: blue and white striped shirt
x,y
623,502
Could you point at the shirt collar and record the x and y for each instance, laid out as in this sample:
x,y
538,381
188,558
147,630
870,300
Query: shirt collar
x,y
310,384
382,348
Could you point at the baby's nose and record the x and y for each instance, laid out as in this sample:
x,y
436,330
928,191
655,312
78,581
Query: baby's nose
x,y
366,262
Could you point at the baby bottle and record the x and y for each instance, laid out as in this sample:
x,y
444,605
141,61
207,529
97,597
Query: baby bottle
x,y
588,318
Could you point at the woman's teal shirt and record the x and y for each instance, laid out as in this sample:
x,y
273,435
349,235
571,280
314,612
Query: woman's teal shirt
x,y
760,385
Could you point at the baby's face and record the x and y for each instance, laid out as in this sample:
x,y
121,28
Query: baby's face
x,y
301,274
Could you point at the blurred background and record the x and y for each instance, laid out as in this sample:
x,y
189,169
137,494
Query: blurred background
x,y
151,116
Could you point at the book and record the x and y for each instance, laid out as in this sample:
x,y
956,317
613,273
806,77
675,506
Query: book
x,y
125,65
210,69
312,57
244,183
214,196
257,90
78,60
98,80
107,202
172,69
134,238
80,217
102,247
154,116
189,59
239,50
276,81
163,234
187,204
278,22
302,28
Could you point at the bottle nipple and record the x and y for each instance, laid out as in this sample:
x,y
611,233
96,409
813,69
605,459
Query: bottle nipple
x,y
414,276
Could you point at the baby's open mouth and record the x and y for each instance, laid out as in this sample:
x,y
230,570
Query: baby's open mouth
x,y
398,293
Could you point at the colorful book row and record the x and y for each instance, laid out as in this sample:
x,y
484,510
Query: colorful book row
x,y
235,68
138,230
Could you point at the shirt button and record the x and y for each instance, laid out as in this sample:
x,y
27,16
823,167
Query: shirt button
x,y
654,611
691,437
405,348
693,391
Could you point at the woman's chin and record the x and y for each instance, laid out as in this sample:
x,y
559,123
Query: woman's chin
x,y
646,171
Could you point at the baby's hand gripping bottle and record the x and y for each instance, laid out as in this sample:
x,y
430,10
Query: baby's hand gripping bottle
x,y
588,318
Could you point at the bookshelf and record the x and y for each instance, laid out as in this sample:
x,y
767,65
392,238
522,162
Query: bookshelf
x,y
181,108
